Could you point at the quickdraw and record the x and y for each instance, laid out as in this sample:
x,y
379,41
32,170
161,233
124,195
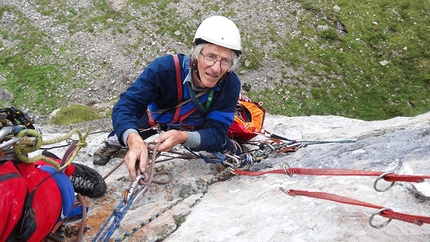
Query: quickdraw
x,y
17,117
118,214
135,190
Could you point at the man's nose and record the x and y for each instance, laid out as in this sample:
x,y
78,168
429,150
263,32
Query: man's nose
x,y
216,66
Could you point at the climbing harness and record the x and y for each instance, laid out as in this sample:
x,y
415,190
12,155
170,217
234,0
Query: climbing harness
x,y
250,122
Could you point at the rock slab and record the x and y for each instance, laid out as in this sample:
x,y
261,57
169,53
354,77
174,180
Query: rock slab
x,y
244,208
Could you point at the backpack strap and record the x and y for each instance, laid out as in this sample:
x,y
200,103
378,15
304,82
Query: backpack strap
x,y
27,225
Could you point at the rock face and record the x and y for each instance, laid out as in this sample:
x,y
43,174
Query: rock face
x,y
245,208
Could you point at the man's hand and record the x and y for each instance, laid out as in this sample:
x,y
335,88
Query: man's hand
x,y
137,154
138,150
171,138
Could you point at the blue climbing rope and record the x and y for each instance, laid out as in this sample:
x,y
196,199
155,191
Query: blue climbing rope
x,y
117,215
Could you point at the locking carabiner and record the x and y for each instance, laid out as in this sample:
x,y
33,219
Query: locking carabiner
x,y
131,190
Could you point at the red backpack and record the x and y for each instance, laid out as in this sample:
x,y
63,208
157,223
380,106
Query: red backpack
x,y
30,202
33,197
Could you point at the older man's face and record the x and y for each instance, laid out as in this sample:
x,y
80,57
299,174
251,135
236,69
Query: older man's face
x,y
213,62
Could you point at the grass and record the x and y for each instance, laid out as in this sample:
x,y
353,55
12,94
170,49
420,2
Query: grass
x,y
75,114
30,83
348,77
334,72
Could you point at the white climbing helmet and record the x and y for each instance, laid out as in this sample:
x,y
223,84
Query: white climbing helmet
x,y
220,31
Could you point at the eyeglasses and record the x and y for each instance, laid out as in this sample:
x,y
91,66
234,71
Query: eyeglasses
x,y
211,59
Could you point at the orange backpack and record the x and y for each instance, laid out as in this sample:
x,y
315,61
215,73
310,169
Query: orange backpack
x,y
248,120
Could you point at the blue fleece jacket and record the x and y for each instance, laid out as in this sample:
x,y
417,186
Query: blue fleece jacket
x,y
156,89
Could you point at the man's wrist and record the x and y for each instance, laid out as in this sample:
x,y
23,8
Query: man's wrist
x,y
126,134
193,140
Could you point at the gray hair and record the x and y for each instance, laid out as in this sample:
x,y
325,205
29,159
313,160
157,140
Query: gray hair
x,y
195,52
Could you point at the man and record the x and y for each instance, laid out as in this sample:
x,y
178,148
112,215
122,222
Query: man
x,y
206,78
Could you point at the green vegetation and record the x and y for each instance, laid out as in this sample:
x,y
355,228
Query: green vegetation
x,y
75,114
32,84
180,219
347,76
330,60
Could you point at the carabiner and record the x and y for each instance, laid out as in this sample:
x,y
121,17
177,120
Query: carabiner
x,y
235,160
128,194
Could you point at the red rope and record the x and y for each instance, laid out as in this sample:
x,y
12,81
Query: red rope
x,y
415,219
389,177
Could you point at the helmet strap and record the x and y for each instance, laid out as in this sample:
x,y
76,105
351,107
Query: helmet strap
x,y
195,69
